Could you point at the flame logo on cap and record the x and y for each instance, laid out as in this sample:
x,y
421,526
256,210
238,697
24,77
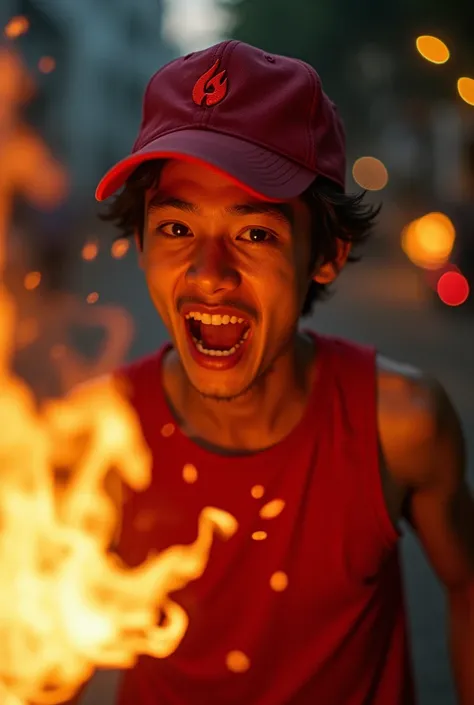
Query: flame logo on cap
x,y
211,88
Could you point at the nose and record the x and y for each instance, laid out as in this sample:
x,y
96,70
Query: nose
x,y
212,270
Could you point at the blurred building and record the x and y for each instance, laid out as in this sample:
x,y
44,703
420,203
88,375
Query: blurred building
x,y
99,57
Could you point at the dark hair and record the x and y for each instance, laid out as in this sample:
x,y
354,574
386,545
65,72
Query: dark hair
x,y
335,216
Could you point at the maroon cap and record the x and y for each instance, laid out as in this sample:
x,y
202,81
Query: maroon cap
x,y
262,119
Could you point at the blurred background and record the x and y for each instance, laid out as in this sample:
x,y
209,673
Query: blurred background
x,y
72,76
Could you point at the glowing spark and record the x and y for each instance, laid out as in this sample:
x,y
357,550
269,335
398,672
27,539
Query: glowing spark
x,y
32,280
257,491
272,509
259,535
16,27
279,581
167,430
92,298
190,473
237,662
90,251
120,248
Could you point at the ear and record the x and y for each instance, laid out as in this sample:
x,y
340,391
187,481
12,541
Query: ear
x,y
327,272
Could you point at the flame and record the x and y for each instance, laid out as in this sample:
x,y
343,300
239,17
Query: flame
x,y
67,604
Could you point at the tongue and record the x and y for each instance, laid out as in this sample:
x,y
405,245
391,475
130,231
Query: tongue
x,y
221,337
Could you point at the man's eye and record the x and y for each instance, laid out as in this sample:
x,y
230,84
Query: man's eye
x,y
256,235
174,230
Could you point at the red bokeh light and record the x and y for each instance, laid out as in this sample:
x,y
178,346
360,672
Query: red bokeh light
x,y
453,288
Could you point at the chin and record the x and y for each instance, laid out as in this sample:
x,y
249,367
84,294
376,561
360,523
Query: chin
x,y
219,386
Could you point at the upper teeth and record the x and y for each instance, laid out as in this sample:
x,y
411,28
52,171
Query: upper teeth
x,y
214,320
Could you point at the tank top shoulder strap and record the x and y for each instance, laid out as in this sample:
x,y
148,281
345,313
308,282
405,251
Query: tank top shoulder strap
x,y
352,387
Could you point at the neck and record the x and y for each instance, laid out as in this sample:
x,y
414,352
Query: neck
x,y
257,419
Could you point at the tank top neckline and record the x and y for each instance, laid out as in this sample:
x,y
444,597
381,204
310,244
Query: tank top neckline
x,y
309,423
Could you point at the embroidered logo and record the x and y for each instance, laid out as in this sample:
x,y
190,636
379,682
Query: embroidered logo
x,y
211,88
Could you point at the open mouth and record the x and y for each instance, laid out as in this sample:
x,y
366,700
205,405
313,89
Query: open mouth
x,y
217,335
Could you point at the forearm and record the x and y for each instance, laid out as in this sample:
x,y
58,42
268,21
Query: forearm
x,y
461,613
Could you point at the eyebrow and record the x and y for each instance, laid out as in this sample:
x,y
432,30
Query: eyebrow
x,y
281,211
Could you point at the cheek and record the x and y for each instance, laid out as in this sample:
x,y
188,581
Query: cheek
x,y
160,282
278,290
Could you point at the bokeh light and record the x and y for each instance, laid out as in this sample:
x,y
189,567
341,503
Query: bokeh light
x,y
257,491
432,49
190,473
466,89
453,288
237,661
46,64
272,509
370,173
16,27
90,251
279,581
92,298
32,280
120,248
428,241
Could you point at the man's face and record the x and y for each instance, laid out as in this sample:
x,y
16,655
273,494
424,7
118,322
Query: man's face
x,y
228,274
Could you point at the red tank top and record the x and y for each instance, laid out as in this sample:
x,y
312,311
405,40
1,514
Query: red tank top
x,y
337,634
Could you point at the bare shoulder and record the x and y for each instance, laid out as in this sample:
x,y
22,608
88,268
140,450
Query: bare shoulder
x,y
414,414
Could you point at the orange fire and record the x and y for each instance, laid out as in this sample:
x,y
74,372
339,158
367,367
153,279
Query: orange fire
x,y
67,604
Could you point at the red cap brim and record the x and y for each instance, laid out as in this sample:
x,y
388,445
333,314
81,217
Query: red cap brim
x,y
259,171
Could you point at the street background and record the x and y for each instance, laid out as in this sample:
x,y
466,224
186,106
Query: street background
x,y
75,76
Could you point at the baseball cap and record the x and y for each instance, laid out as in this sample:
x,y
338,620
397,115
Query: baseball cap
x,y
262,119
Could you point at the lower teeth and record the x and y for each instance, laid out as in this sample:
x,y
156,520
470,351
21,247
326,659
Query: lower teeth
x,y
220,353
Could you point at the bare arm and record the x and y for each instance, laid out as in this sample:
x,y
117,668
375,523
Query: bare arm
x,y
442,512
428,457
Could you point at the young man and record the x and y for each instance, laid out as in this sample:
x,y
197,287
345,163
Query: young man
x,y
235,193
